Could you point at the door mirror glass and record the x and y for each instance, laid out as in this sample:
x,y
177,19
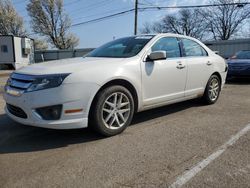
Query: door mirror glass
x,y
157,55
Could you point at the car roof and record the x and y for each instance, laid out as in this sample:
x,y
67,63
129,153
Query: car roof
x,y
165,35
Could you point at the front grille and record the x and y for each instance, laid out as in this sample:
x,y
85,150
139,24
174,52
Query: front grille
x,y
21,81
16,111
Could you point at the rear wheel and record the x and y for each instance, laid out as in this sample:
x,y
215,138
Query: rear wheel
x,y
112,111
212,91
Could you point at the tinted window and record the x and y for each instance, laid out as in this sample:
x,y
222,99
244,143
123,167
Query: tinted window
x,y
192,48
168,44
243,55
124,47
4,48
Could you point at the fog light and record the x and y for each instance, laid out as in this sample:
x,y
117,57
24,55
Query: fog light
x,y
50,112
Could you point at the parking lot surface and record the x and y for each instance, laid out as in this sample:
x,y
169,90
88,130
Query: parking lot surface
x,y
159,146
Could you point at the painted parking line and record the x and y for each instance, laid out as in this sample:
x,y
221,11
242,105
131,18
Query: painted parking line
x,y
188,175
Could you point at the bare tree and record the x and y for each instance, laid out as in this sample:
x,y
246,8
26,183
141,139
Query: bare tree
x,y
225,21
146,29
40,44
185,22
48,19
10,22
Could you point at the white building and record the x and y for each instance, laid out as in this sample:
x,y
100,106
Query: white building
x,y
16,51
227,48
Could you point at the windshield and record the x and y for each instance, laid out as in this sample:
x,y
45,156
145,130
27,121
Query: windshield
x,y
243,55
121,48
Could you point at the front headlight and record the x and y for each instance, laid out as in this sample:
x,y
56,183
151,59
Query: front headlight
x,y
46,82
8,82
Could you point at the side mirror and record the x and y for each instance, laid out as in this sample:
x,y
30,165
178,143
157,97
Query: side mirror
x,y
157,55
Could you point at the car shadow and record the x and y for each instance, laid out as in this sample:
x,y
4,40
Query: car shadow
x,y
16,138
238,81
164,111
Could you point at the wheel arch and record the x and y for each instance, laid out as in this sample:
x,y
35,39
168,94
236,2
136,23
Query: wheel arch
x,y
218,74
121,82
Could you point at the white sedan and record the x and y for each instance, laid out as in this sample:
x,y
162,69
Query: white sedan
x,y
106,87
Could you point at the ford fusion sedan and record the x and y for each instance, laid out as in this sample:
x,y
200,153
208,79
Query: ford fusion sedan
x,y
106,87
239,65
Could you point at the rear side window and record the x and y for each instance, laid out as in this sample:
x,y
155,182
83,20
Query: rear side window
x,y
168,44
192,48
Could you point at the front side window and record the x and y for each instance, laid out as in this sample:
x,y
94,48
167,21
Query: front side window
x,y
168,44
121,48
192,48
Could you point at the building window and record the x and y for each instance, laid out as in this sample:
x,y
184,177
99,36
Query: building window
x,y
4,48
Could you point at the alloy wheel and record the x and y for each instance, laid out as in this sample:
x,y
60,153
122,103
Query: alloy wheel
x,y
116,110
214,89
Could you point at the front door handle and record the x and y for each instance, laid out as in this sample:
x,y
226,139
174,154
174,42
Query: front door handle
x,y
209,63
180,66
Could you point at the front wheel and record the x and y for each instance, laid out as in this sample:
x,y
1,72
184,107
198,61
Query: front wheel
x,y
112,111
212,91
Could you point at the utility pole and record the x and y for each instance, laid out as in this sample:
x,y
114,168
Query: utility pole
x,y
136,15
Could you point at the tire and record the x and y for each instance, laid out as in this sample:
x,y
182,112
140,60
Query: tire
x,y
212,91
112,110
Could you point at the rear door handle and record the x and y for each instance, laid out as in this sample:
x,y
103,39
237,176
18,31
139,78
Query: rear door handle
x,y
180,66
209,63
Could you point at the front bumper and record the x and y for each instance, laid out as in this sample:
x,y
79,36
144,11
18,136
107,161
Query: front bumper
x,y
70,96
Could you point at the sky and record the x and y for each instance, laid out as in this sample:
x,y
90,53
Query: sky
x,y
95,34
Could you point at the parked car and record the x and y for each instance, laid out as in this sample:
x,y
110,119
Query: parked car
x,y
239,64
105,88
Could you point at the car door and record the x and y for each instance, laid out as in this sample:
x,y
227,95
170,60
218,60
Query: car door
x,y
164,80
199,66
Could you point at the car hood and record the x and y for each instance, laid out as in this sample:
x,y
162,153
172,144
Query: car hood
x,y
67,65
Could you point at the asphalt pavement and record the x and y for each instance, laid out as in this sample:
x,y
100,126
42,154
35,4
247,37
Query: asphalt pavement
x,y
160,146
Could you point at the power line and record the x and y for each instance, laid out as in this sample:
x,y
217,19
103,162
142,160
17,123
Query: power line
x,y
103,18
158,7
70,3
193,6
91,6
153,8
147,3
102,13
